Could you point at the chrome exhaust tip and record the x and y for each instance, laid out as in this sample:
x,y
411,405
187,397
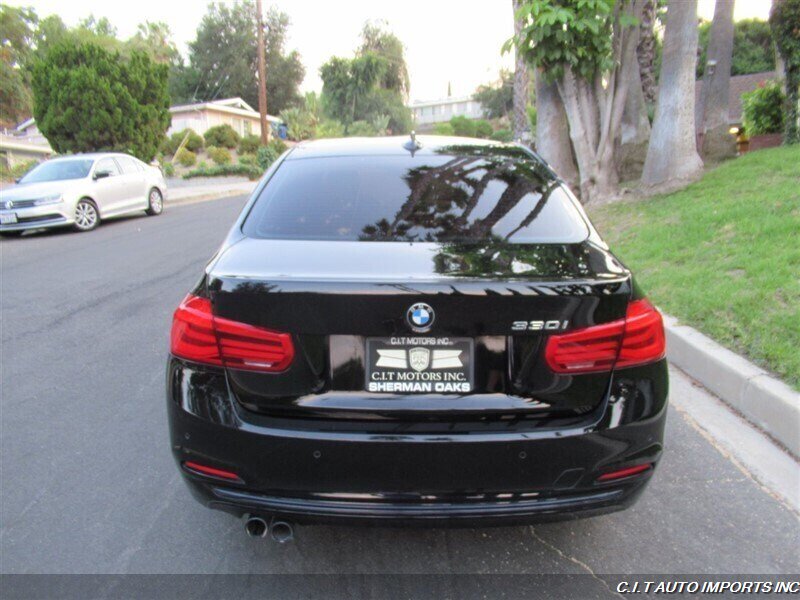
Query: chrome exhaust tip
x,y
256,527
281,531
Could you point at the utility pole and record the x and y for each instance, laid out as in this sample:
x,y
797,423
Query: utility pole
x,y
262,76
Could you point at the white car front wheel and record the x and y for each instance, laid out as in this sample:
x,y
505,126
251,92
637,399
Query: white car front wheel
x,y
86,216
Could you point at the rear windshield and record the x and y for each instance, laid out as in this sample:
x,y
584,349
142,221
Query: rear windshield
x,y
424,198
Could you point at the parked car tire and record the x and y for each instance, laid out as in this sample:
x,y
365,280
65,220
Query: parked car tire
x,y
155,202
86,215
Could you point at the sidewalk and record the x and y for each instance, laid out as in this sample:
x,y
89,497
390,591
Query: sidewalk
x,y
180,191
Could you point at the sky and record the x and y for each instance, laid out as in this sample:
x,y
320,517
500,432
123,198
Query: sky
x,y
446,40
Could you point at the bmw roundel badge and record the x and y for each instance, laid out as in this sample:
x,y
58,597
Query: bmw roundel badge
x,y
420,317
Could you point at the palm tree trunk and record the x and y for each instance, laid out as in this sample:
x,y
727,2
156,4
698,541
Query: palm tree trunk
x,y
714,117
672,158
646,50
522,130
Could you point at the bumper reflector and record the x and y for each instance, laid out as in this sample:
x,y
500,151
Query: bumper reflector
x,y
210,471
627,472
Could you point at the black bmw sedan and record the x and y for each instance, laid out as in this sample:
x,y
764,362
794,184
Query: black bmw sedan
x,y
415,330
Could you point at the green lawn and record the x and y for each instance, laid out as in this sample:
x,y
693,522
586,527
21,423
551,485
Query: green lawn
x,y
723,255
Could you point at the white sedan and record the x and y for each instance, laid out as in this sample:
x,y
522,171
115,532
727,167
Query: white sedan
x,y
80,190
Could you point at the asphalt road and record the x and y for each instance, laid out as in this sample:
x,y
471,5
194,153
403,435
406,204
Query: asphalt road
x,y
88,484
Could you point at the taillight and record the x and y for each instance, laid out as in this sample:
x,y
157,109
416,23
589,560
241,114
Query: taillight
x,y
199,336
635,340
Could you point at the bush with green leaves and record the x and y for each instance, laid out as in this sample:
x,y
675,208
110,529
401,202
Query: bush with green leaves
x,y
483,129
169,170
278,145
361,129
784,19
265,156
249,144
502,135
762,109
186,158
222,136
173,142
443,129
330,128
301,124
248,159
466,127
86,99
249,171
220,156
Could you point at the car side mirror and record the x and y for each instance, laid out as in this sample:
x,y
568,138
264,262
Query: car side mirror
x,y
101,174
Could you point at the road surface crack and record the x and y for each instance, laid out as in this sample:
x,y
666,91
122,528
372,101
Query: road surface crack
x,y
574,560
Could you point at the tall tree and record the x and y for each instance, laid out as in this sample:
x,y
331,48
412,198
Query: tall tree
x,y
586,47
714,110
552,131
87,98
376,38
646,50
223,57
262,77
521,125
753,48
497,99
17,31
672,158
635,129
784,18
156,39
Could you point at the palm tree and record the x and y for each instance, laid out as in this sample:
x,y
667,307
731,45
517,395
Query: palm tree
x,y
717,142
672,158
646,51
521,80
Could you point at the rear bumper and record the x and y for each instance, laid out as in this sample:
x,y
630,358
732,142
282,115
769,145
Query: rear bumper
x,y
351,475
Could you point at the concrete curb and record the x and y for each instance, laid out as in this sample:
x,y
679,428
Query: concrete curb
x,y
764,400
188,195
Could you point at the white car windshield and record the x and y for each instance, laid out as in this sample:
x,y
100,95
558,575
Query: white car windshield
x,y
56,170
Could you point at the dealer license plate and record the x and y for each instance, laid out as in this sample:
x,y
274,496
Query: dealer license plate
x,y
420,365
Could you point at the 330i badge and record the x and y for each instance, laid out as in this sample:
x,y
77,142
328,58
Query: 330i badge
x,y
416,331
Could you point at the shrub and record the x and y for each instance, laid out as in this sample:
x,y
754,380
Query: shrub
x,y
169,170
762,109
194,143
265,156
532,115
86,98
443,129
330,128
278,145
463,126
185,157
301,124
502,135
248,159
222,136
249,144
250,171
483,129
361,129
219,155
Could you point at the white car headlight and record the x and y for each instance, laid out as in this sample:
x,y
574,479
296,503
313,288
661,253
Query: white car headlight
x,y
54,199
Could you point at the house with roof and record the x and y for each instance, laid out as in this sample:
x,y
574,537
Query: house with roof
x,y
202,116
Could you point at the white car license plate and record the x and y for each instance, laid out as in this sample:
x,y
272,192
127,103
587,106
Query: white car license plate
x,y
8,219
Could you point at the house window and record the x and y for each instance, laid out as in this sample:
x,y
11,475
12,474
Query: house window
x,y
248,128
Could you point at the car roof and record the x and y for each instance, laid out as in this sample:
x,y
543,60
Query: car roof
x,y
91,155
401,145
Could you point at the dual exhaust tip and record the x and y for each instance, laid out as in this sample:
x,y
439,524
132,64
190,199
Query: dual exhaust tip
x,y
279,531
